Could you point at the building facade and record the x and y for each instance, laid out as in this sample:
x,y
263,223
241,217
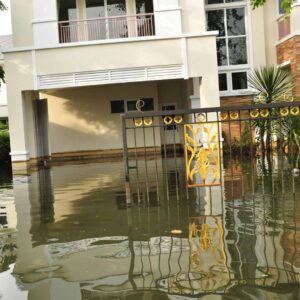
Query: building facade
x,y
77,64
5,42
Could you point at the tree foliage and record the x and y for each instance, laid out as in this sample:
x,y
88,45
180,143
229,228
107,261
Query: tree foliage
x,y
2,6
286,4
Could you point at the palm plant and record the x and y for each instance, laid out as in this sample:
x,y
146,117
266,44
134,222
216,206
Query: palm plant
x,y
271,85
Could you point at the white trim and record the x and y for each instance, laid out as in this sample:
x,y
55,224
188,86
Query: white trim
x,y
44,21
284,64
19,156
115,41
167,9
34,70
185,58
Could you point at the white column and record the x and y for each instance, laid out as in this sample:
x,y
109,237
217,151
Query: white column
x,y
167,17
22,126
195,98
45,27
295,18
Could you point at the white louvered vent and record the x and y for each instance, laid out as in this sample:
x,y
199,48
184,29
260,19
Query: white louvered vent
x,y
56,80
87,78
110,76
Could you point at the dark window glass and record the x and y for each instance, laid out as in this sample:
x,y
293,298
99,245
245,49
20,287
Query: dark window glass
x,y
239,81
222,82
214,1
229,1
237,51
221,52
144,6
117,106
215,21
280,9
236,21
168,107
149,104
67,10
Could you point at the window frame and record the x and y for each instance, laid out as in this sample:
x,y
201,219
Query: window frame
x,y
229,69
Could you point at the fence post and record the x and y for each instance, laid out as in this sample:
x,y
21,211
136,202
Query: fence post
x,y
125,147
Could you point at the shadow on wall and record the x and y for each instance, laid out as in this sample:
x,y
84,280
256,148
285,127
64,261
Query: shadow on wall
x,y
67,139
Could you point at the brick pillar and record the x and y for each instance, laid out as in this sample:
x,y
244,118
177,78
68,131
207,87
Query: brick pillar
x,y
289,50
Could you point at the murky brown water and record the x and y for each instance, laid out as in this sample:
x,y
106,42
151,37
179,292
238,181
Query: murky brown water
x,y
67,233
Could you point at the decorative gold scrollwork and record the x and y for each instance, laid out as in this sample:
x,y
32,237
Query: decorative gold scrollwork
x,y
168,120
254,113
148,121
139,104
264,113
201,118
295,110
223,116
234,115
138,122
178,119
284,111
202,154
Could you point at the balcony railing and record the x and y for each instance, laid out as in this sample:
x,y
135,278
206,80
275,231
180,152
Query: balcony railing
x,y
106,28
284,27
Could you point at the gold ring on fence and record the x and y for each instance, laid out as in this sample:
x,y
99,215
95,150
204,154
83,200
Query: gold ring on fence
x,y
234,115
148,121
178,119
264,113
168,120
295,110
223,116
138,122
284,111
201,118
254,113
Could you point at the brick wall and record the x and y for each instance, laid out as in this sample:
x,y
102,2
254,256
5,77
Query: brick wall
x,y
290,51
234,132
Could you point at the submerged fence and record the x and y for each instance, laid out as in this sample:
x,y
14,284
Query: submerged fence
x,y
205,137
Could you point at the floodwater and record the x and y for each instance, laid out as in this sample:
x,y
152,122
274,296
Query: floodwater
x,y
78,232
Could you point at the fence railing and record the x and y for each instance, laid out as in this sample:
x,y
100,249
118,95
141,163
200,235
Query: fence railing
x,y
205,136
117,27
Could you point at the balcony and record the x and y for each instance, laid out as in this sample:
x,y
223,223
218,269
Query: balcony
x,y
118,27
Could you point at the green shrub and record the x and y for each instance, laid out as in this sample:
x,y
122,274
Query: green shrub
x,y
4,146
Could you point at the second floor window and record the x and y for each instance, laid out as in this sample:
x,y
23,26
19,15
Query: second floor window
x,y
232,40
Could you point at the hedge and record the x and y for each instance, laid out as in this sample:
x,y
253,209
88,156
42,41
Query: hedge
x,y
4,146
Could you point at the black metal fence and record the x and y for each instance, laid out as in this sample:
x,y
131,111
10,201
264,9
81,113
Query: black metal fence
x,y
207,137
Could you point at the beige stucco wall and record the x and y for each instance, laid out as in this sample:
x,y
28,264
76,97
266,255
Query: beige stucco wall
x,y
258,38
193,16
22,17
80,119
108,56
270,31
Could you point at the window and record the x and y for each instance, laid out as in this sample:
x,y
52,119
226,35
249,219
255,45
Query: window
x,y
239,81
231,41
120,106
67,10
232,45
117,106
281,11
223,82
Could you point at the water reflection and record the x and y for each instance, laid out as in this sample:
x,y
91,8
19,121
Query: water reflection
x,y
70,233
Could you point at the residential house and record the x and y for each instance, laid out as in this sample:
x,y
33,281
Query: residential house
x,y
77,64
